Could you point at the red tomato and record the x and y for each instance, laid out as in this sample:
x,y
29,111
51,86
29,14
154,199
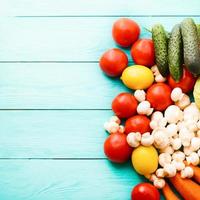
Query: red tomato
x,y
143,53
113,62
145,191
125,32
159,96
186,83
124,105
116,148
137,123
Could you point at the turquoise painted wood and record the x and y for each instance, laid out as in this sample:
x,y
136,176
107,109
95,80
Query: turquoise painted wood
x,y
49,60
98,7
66,179
64,39
56,86
53,134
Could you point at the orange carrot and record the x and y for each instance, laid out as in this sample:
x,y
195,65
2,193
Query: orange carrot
x,y
168,193
196,173
188,189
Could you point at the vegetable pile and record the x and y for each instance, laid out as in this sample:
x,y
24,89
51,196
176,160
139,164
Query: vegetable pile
x,y
157,126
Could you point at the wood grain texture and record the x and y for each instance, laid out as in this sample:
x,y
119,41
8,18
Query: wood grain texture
x,y
99,7
56,86
64,179
64,39
52,134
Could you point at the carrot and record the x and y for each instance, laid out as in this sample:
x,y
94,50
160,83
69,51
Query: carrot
x,y
168,193
196,172
188,189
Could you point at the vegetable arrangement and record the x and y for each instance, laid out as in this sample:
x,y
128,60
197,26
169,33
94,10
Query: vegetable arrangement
x,y
161,133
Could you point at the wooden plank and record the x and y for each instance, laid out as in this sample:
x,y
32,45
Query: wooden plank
x,y
66,179
64,39
56,86
52,134
99,7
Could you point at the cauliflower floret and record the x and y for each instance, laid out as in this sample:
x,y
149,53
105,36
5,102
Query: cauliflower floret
x,y
173,114
172,129
191,112
147,139
157,116
133,139
154,124
115,119
121,129
167,149
195,143
164,158
144,108
160,173
140,95
170,170
159,183
178,164
187,172
176,143
159,78
187,150
183,102
111,127
176,94
178,156
193,159
185,135
161,140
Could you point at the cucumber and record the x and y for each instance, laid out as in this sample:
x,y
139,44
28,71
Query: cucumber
x,y
160,44
191,46
175,53
198,30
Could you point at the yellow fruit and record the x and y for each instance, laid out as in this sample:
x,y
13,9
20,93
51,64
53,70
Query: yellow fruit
x,y
137,77
145,160
196,93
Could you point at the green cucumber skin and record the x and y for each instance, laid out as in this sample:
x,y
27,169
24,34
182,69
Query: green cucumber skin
x,y
198,30
175,53
161,48
191,46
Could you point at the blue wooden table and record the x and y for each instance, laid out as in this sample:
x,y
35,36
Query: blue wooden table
x,y
54,98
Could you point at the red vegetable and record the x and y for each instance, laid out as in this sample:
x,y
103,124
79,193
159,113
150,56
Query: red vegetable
x,y
143,53
137,123
145,191
125,32
159,96
116,148
124,105
113,62
186,83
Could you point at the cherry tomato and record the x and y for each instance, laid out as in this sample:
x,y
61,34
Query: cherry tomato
x,y
124,105
125,32
159,96
186,83
116,148
113,62
143,53
137,123
145,191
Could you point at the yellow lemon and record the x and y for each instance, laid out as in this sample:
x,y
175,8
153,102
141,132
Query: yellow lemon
x,y
137,77
145,160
